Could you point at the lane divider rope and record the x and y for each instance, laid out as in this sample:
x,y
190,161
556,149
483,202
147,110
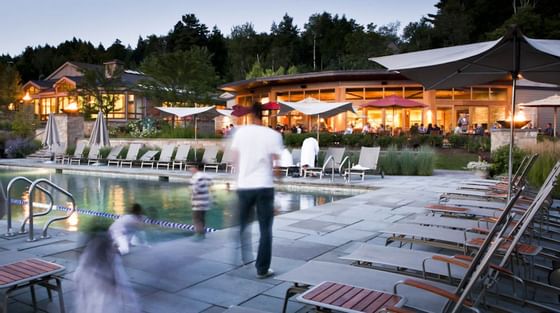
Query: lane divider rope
x,y
147,220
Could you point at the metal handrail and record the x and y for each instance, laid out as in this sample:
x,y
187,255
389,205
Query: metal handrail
x,y
9,232
54,219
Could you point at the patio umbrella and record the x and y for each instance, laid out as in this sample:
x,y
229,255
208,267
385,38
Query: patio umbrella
x,y
478,63
465,65
393,101
550,102
51,133
313,107
208,112
99,133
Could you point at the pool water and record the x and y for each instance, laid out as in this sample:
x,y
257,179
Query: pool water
x,y
167,201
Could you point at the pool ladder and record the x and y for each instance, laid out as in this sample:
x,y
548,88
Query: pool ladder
x,y
33,185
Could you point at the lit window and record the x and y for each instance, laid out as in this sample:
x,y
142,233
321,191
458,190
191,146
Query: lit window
x,y
354,94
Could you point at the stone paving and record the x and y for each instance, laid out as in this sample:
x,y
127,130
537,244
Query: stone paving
x,y
208,276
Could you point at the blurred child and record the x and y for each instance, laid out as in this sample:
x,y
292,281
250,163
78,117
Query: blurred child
x,y
200,200
124,228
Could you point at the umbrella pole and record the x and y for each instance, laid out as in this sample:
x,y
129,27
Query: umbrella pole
x,y
195,139
318,125
555,120
512,133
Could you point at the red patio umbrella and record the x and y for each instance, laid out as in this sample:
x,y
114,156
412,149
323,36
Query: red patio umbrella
x,y
393,102
239,110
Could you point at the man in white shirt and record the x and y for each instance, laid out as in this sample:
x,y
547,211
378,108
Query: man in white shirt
x,y
255,148
309,150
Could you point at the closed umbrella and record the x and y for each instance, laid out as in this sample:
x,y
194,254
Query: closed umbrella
x,y
99,133
313,107
51,133
506,58
549,102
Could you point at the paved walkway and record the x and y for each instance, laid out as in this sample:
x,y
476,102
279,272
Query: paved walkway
x,y
207,276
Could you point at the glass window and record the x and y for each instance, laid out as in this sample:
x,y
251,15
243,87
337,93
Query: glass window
x,y
282,96
480,115
480,93
374,93
415,116
397,91
245,100
462,94
354,94
312,94
497,113
414,92
393,117
327,95
444,94
296,96
499,94
374,117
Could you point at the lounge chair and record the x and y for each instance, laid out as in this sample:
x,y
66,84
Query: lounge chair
x,y
165,156
113,156
59,153
291,165
78,154
226,161
333,163
367,163
181,156
148,158
93,154
131,155
210,157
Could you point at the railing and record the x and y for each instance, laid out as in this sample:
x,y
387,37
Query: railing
x,y
14,180
34,185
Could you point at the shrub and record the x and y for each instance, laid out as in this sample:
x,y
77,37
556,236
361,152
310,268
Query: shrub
x,y
21,147
500,159
407,162
24,122
390,161
425,159
104,152
549,154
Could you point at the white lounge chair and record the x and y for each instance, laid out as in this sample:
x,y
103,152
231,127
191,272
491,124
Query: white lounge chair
x,y
369,156
210,157
78,154
333,163
113,156
181,156
93,154
148,158
131,154
226,161
165,156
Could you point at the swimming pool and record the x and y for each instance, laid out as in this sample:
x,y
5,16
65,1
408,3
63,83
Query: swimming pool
x,y
166,201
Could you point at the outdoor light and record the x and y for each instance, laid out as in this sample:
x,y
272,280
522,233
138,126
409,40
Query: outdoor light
x,y
72,108
27,97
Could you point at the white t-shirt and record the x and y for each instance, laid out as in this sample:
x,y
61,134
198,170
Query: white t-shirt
x,y
309,149
255,145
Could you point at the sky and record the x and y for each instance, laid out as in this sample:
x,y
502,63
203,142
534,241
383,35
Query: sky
x,y
38,22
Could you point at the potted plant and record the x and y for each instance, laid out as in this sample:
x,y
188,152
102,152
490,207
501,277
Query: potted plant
x,y
479,167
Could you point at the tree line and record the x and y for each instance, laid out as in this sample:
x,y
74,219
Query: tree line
x,y
325,42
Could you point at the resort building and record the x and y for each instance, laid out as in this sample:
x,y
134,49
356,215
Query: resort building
x,y
59,92
480,104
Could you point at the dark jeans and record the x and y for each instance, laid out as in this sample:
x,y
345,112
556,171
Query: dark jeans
x,y
263,200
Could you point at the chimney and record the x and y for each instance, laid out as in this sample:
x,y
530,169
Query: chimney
x,y
113,66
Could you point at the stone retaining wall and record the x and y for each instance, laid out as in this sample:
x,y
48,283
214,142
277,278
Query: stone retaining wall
x,y
523,138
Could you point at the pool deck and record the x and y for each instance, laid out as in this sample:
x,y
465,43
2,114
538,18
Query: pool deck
x,y
184,275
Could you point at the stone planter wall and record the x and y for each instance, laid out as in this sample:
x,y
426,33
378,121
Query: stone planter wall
x,y
523,138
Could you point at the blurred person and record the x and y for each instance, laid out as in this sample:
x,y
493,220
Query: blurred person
x,y
200,200
101,282
421,129
458,130
366,129
349,130
549,131
309,151
255,148
126,227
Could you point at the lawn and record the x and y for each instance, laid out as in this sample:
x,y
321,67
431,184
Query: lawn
x,y
453,159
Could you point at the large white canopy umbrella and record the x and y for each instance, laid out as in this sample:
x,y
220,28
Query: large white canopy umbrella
x,y
458,66
51,133
208,112
313,107
99,133
549,102
478,63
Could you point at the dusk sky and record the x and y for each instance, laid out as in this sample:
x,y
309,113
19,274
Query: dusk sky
x,y
37,22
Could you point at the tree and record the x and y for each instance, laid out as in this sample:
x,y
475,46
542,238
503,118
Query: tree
x,y
10,82
99,90
188,32
285,43
242,50
180,78
217,46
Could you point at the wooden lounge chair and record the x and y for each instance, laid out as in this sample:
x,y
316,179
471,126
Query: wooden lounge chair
x,y
131,155
181,156
78,154
210,157
333,163
165,156
113,156
148,158
366,163
93,154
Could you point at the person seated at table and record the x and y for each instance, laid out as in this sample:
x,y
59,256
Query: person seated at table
x,y
458,130
366,129
479,130
421,129
549,131
349,129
